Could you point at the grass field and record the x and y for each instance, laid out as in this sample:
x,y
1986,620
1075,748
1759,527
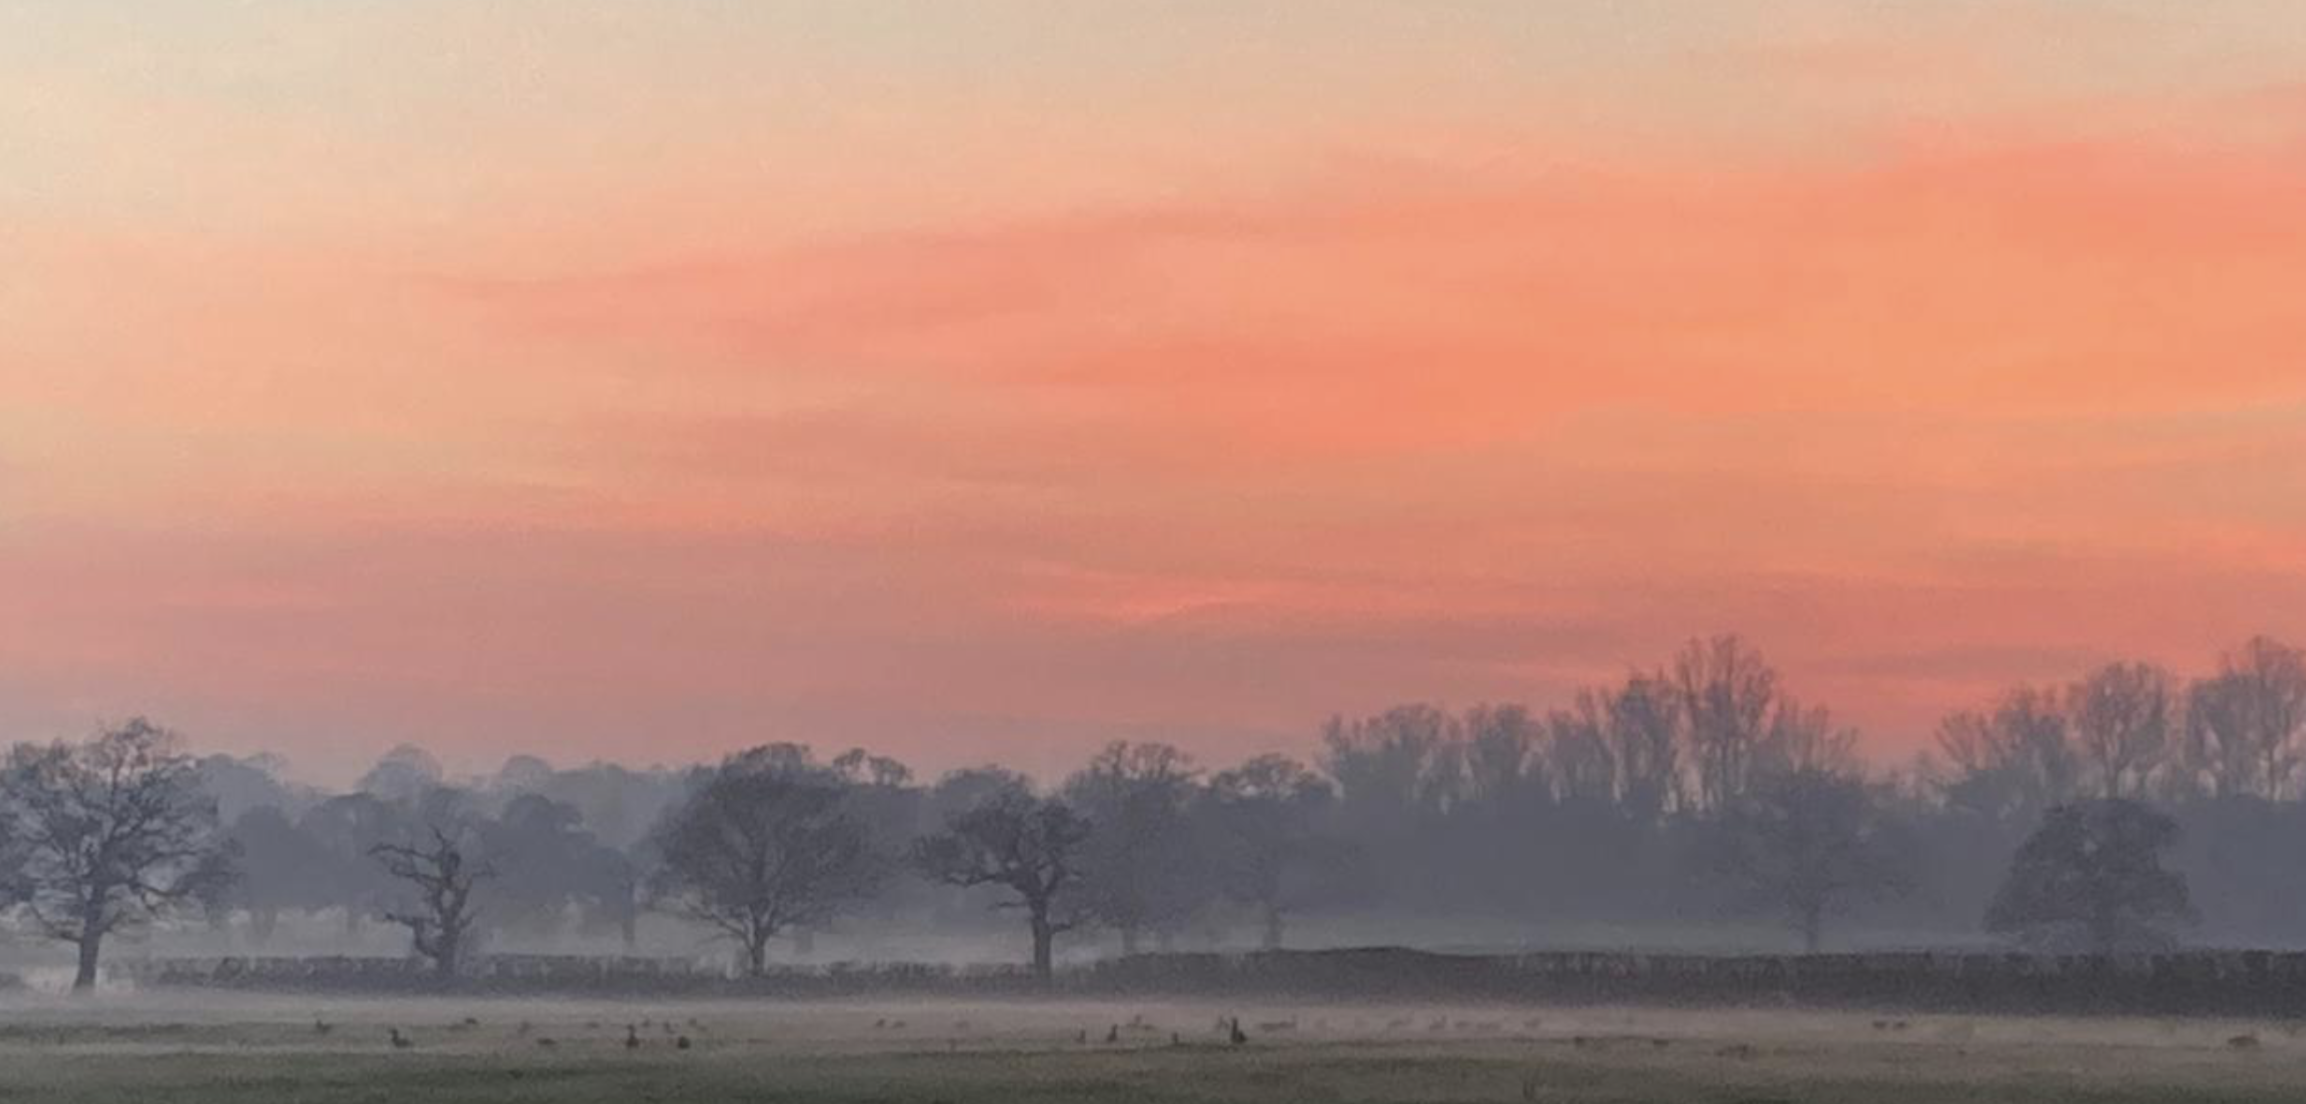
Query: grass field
x,y
245,1050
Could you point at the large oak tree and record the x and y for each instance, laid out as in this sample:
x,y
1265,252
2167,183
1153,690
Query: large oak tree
x,y
1026,844
111,832
767,844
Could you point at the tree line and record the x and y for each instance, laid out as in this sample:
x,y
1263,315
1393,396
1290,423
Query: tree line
x,y
2094,814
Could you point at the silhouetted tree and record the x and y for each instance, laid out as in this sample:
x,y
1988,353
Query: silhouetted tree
x,y
114,831
1395,772
620,805
1270,855
962,790
1643,721
858,767
402,775
767,844
1583,760
1500,764
1806,739
349,828
441,869
1025,844
1496,780
523,774
1729,696
1143,867
240,784
1391,769
2244,724
2094,869
281,868
548,863
14,887
619,888
2122,726
2014,762
881,793
1807,842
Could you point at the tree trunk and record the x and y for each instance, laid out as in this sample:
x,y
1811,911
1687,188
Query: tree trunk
x,y
757,954
448,946
1272,927
1044,936
85,979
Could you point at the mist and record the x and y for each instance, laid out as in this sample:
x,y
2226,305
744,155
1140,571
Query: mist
x,y
1698,805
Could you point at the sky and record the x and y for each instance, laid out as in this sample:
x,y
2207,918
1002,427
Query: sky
x,y
650,379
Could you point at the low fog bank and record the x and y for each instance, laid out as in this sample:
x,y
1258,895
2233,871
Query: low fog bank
x,y
1697,806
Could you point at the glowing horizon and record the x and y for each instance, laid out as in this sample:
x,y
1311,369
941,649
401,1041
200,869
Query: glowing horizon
x,y
647,380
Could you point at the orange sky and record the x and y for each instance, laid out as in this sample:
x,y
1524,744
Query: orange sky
x,y
646,380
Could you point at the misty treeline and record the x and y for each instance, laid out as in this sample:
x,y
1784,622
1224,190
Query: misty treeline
x,y
2117,810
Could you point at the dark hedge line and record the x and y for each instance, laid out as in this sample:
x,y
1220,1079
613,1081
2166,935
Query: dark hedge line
x,y
2199,982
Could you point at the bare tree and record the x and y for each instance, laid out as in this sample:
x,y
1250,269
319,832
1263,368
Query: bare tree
x,y
112,832
1807,842
1619,747
2122,725
281,868
1644,720
1583,760
443,872
1269,851
2013,762
766,845
1391,768
1729,695
1143,870
2243,725
1806,738
1501,758
1022,843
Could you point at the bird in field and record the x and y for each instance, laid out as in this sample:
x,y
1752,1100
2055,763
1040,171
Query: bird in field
x,y
399,1041
632,1038
1234,1032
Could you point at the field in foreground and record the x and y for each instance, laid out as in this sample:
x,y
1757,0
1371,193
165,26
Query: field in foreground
x,y
254,1051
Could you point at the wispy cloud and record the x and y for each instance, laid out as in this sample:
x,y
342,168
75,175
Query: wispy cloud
x,y
879,417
